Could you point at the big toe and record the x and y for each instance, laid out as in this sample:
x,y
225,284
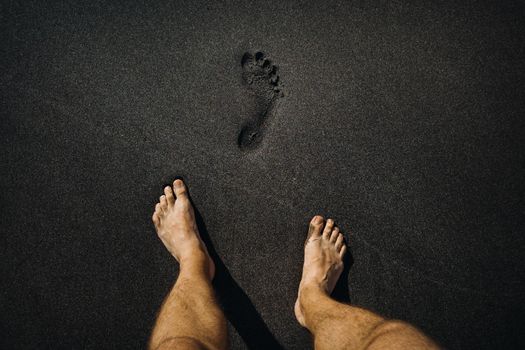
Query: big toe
x,y
316,225
180,189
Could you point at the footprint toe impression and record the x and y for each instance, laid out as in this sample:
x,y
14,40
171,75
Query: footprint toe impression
x,y
260,76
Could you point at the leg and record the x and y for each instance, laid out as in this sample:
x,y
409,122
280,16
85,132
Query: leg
x,y
335,325
190,317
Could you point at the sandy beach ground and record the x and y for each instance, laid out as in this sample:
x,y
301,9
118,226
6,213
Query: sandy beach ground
x,y
401,120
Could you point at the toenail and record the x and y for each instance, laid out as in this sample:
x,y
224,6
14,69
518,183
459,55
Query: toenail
x,y
317,220
178,183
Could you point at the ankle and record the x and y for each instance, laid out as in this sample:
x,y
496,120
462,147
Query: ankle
x,y
312,302
195,263
193,271
311,291
191,252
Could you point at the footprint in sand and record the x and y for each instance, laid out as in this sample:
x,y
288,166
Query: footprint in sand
x,y
260,76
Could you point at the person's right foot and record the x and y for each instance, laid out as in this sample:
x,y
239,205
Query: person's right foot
x,y
323,260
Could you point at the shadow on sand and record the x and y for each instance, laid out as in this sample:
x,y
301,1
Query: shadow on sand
x,y
237,306
341,292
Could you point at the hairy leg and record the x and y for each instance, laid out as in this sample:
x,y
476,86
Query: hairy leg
x,y
190,317
336,325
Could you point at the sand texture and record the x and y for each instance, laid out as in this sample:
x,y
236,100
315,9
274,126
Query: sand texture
x,y
402,120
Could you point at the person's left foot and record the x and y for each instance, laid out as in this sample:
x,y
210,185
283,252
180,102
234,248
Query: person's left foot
x,y
174,221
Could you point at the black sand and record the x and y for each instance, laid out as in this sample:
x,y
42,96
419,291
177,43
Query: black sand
x,y
401,120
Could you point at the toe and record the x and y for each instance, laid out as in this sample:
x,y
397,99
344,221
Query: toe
x,y
314,230
157,214
155,218
267,65
332,236
342,252
339,242
246,58
259,57
170,198
180,189
328,228
163,202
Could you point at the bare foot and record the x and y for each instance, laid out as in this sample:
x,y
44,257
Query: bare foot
x,y
323,259
174,221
